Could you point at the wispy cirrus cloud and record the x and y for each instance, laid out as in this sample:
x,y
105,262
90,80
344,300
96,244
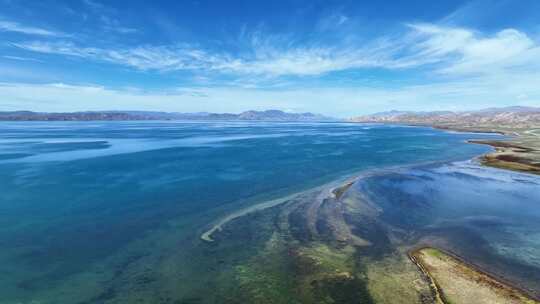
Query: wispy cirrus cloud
x,y
337,64
94,4
111,24
162,58
18,58
260,59
9,26
445,50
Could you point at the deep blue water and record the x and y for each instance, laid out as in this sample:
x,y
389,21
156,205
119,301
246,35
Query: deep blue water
x,y
77,195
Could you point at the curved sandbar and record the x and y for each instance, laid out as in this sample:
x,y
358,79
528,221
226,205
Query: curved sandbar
x,y
333,189
207,236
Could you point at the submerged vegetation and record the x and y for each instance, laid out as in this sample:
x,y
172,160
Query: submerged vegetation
x,y
137,235
336,260
334,245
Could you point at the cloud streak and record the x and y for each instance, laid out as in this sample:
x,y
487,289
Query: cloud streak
x,y
161,58
453,50
8,26
262,60
464,65
18,58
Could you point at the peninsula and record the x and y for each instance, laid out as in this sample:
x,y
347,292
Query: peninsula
x,y
520,152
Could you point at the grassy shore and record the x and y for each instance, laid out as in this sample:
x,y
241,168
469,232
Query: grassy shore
x,y
456,282
521,152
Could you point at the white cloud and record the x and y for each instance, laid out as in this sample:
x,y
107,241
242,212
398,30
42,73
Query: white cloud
x,y
453,50
464,51
18,58
263,58
143,57
8,26
110,24
466,67
332,21
302,61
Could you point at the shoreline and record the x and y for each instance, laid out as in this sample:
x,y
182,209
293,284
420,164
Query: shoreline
x,y
514,153
520,152
499,282
509,156
436,290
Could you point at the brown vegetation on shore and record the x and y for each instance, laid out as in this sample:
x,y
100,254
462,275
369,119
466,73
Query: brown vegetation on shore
x,y
455,281
508,155
520,153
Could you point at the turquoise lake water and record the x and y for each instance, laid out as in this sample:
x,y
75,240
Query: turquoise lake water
x,y
90,211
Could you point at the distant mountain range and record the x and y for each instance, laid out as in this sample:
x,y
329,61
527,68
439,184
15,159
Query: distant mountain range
x,y
515,116
268,115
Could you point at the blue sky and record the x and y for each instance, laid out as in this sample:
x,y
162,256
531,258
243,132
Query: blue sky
x,y
340,58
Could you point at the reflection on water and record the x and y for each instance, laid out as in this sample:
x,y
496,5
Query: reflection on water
x,y
111,211
489,216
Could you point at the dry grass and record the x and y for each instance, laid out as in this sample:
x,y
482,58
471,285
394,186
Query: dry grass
x,y
460,283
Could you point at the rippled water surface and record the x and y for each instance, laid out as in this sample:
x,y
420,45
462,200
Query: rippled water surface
x,y
91,212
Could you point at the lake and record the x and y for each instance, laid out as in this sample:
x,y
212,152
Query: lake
x,y
111,212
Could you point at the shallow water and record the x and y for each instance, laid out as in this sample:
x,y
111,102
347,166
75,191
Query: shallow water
x,y
490,217
96,212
